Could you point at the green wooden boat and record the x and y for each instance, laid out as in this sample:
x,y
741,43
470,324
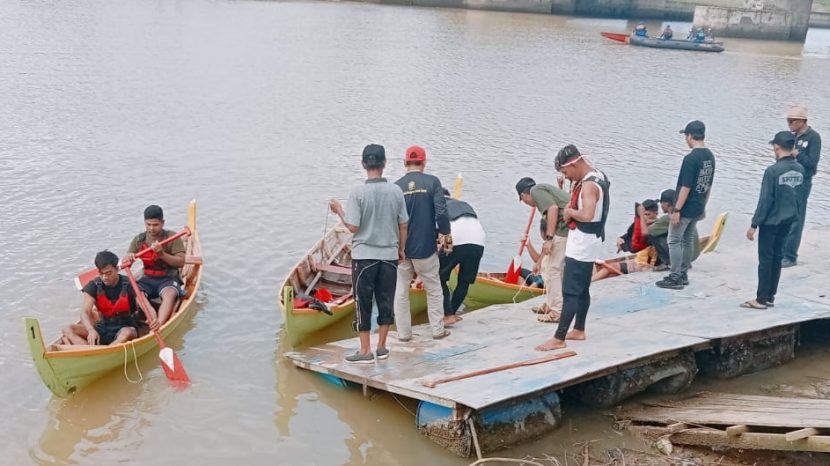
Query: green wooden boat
x,y
327,265
66,369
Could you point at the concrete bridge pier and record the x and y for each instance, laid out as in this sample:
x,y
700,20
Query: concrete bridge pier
x,y
759,19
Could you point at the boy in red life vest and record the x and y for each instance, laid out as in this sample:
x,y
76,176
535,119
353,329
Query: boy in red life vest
x,y
161,266
113,297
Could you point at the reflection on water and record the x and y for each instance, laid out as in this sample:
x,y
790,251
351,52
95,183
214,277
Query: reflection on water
x,y
253,108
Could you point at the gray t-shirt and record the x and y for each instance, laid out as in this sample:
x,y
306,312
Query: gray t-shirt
x,y
376,208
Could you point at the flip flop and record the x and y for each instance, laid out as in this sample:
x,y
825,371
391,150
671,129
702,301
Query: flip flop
x,y
752,305
539,309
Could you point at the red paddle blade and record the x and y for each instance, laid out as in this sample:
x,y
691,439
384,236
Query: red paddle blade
x,y
514,271
173,368
86,277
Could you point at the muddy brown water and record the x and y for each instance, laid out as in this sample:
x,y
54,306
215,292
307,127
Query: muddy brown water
x,y
256,109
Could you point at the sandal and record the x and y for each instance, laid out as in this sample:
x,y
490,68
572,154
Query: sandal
x,y
549,318
441,335
543,309
752,304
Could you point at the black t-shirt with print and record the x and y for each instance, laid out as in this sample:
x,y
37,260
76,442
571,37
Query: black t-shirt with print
x,y
697,174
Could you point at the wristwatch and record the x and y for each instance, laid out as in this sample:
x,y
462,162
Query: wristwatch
x,y
548,237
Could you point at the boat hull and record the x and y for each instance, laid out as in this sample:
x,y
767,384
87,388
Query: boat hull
x,y
675,44
67,370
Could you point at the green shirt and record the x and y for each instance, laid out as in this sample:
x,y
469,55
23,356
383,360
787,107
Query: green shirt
x,y
176,247
545,195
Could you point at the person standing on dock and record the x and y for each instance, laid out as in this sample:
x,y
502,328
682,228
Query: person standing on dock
x,y
777,210
551,202
694,185
377,217
427,209
585,216
808,144
468,248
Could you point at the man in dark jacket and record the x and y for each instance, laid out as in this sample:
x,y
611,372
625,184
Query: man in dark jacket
x,y
777,210
808,145
427,208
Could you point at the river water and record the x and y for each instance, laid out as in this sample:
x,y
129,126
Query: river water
x,y
257,110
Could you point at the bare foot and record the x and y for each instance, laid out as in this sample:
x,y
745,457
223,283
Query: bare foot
x,y
449,320
551,345
576,335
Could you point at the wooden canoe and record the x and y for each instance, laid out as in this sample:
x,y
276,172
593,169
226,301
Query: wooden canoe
x,y
66,369
326,265
490,288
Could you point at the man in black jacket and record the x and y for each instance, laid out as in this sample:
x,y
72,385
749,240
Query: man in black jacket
x,y
777,210
808,144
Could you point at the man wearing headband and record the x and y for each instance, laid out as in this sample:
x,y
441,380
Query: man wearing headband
x,y
777,210
694,184
808,146
585,216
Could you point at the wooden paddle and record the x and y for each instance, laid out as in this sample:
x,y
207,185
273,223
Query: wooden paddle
x,y
456,190
513,365
515,268
173,368
85,277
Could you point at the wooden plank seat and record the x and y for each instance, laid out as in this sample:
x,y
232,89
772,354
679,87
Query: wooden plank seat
x,y
333,268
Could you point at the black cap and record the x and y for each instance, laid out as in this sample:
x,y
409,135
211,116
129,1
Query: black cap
x,y
524,186
784,139
667,196
374,155
695,128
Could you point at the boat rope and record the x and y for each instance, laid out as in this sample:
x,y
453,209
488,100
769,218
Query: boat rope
x,y
506,460
135,362
521,287
402,405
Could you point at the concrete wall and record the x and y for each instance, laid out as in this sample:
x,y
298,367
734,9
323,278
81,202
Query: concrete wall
x,y
669,10
759,19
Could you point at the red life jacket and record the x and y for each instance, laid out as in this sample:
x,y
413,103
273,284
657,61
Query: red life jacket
x,y
593,228
109,308
638,240
153,266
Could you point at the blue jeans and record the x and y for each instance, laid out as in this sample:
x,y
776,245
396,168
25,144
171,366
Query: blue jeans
x,y
794,238
681,244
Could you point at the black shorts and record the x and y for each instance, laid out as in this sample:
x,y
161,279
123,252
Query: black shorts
x,y
374,281
109,327
153,286
467,257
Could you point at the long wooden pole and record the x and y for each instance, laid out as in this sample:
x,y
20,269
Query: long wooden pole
x,y
504,367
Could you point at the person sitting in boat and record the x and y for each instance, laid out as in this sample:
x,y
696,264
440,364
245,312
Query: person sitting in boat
x,y
640,30
161,265
700,36
114,299
667,33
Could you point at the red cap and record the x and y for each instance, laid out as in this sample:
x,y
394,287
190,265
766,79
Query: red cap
x,y
415,154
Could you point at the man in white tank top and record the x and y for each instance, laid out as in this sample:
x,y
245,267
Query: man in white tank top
x,y
586,214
